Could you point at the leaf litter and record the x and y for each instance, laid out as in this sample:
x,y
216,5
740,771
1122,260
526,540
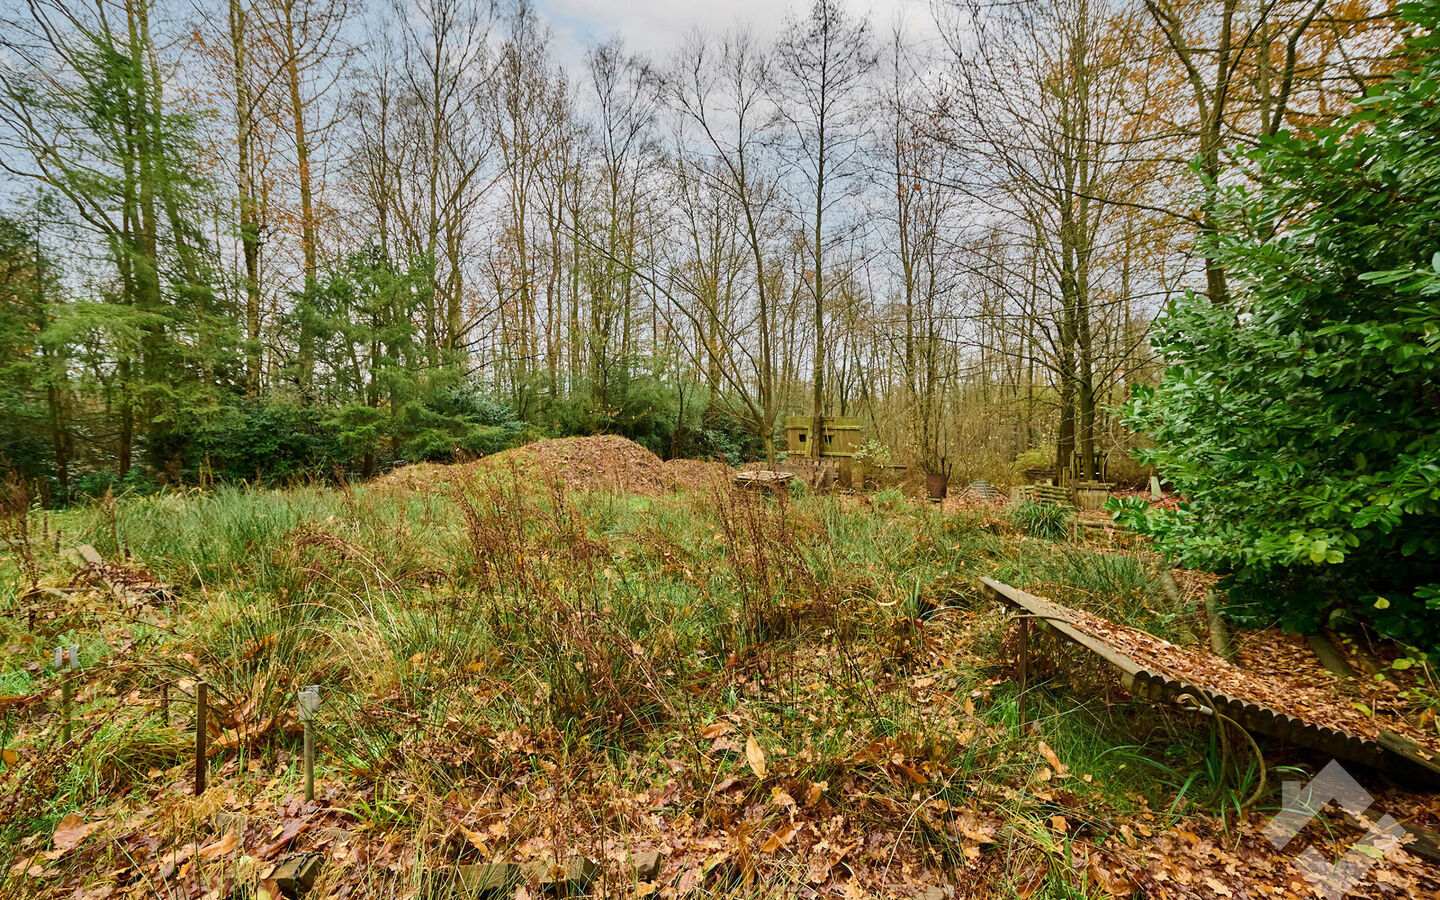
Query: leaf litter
x,y
728,806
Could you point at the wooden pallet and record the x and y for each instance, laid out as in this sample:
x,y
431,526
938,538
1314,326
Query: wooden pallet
x,y
763,478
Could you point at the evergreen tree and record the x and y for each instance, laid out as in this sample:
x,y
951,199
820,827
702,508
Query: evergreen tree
x,y
27,285
1300,420
83,96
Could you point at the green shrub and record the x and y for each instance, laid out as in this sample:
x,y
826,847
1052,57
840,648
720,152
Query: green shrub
x,y
270,440
1042,520
1034,458
94,485
1299,419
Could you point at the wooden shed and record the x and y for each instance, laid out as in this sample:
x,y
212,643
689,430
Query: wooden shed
x,y
841,435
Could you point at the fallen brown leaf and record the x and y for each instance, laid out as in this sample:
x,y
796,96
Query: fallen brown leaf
x,y
70,831
221,847
780,838
756,757
1061,770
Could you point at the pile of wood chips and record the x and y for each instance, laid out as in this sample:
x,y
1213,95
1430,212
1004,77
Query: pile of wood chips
x,y
598,462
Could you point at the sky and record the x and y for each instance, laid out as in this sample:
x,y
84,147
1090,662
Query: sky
x,y
656,27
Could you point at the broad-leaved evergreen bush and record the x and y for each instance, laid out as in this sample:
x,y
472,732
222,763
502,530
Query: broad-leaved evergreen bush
x,y
1301,421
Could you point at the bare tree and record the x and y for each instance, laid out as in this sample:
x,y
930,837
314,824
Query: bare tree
x,y
447,79
916,157
823,61
1042,111
248,201
1248,66
719,93
305,37
626,94
531,119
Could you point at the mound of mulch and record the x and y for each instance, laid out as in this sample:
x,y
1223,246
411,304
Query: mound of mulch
x,y
597,462
695,474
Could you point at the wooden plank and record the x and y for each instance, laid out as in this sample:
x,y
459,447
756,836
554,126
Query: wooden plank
x,y
1417,761
1390,754
1418,841
1055,617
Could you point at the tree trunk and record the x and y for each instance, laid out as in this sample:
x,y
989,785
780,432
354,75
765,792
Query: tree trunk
x,y
817,416
307,206
249,213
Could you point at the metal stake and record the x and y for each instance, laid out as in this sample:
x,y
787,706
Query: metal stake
x,y
202,702
309,762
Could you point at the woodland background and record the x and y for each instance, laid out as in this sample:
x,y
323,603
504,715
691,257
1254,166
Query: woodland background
x,y
252,250
259,240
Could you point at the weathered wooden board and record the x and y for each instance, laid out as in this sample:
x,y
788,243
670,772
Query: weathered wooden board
x,y
1390,757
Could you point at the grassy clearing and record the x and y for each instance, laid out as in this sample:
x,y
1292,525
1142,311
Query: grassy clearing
x,y
779,692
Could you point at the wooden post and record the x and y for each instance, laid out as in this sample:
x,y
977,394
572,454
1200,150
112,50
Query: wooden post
x,y
1022,665
309,702
309,762
202,702
66,691
67,662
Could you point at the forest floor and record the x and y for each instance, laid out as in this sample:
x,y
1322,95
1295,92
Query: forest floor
x,y
578,650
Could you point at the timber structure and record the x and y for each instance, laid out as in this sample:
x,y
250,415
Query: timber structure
x,y
1393,755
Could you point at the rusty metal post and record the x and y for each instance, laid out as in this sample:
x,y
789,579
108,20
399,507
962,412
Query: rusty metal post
x,y
202,702
309,761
